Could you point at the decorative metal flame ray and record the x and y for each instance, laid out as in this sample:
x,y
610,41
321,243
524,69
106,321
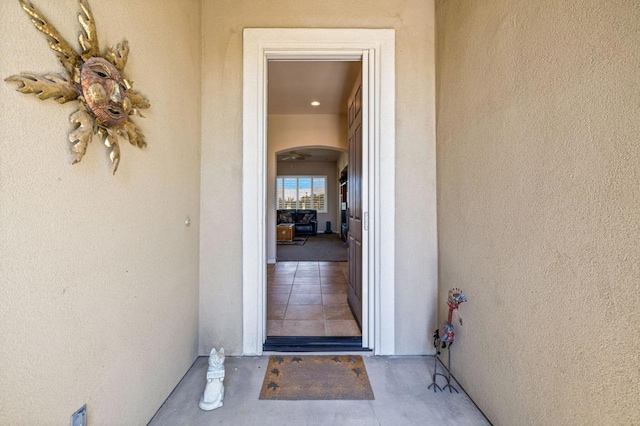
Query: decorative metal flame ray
x,y
118,55
134,135
68,57
82,135
46,86
88,39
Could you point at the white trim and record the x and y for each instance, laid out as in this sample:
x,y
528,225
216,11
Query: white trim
x,y
260,45
367,259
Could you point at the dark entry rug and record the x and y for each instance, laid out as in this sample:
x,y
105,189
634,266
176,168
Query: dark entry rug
x,y
297,241
296,377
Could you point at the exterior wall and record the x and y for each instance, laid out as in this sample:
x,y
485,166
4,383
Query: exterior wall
x,y
221,248
539,206
99,275
290,131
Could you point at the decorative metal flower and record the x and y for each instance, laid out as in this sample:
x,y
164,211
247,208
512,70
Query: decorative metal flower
x,y
106,100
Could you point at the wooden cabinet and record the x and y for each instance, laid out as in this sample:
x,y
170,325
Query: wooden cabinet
x,y
285,232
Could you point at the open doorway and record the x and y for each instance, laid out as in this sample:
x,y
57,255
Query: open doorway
x,y
376,48
308,132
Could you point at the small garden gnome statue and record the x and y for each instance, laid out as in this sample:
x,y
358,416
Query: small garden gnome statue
x,y
214,390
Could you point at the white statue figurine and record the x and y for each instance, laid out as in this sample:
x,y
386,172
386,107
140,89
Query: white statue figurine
x,y
214,390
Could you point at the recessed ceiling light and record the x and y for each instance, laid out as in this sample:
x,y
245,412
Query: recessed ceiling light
x,y
315,103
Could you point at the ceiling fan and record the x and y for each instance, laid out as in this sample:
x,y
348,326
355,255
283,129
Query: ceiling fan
x,y
294,156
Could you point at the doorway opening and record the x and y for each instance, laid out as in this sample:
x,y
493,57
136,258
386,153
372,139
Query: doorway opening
x,y
307,286
376,50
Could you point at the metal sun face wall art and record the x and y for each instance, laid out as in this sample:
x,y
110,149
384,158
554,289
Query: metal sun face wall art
x,y
106,100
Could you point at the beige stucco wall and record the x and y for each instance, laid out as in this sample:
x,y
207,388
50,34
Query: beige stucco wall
x,y
539,206
99,275
221,229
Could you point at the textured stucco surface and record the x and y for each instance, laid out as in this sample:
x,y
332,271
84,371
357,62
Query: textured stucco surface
x,y
99,275
538,150
221,229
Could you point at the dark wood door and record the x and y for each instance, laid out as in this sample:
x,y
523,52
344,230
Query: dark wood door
x,y
354,204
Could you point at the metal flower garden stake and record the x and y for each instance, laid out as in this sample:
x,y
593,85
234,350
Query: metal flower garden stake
x,y
105,99
444,337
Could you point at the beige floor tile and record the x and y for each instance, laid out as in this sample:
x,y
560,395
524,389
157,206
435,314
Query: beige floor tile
x,y
334,289
306,281
305,299
304,312
332,272
334,281
334,299
280,281
278,289
276,312
329,271
283,272
291,264
330,268
341,328
309,289
307,277
307,268
298,305
274,327
278,299
337,312
302,328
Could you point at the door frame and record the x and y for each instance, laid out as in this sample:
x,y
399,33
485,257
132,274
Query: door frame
x,y
378,46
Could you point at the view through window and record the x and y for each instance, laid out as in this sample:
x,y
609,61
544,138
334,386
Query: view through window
x,y
302,192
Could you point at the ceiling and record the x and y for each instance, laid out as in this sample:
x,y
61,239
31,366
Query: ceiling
x,y
293,85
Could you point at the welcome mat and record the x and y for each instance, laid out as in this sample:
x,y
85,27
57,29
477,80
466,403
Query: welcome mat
x,y
296,377
297,241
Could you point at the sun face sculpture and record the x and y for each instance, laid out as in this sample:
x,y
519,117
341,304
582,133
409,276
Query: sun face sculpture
x,y
106,100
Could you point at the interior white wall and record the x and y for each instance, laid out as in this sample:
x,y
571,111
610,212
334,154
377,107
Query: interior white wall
x,y
415,263
99,275
288,131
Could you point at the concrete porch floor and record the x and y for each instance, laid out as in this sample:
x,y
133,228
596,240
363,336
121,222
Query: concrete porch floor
x,y
399,385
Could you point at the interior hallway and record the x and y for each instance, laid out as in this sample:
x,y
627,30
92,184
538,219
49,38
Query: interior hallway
x,y
399,385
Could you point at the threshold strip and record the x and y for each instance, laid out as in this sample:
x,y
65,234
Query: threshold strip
x,y
313,344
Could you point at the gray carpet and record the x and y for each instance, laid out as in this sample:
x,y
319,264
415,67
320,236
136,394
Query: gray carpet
x,y
319,248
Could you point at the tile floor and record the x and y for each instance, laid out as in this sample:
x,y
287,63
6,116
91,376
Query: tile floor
x,y
399,386
309,299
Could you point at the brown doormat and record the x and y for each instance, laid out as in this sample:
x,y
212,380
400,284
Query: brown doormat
x,y
295,377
